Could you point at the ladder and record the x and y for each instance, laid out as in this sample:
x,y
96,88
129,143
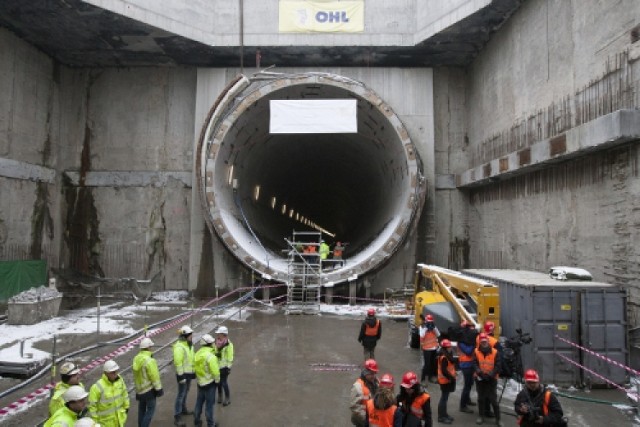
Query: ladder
x,y
304,273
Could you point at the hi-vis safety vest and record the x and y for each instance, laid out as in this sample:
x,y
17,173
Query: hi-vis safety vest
x,y
207,370
183,357
417,404
145,372
380,417
492,341
545,406
366,393
487,363
64,417
372,331
57,401
109,402
451,369
430,340
225,355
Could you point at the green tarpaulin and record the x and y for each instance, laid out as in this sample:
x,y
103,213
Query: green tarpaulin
x,y
18,276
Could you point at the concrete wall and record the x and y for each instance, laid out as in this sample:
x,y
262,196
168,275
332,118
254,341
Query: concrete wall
x,y
583,212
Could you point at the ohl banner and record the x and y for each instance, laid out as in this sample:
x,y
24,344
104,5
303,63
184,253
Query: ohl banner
x,y
321,16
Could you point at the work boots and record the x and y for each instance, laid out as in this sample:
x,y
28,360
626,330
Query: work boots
x,y
227,402
177,421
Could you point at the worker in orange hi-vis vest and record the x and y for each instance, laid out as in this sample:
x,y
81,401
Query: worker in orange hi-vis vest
x,y
429,335
446,379
487,363
382,410
370,333
363,390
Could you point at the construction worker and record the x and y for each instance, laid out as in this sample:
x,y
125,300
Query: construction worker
x,y
207,375
147,381
370,333
69,375
382,410
536,405
109,398
183,362
324,250
487,363
75,403
363,390
224,353
446,379
429,335
338,250
86,422
489,330
466,356
414,402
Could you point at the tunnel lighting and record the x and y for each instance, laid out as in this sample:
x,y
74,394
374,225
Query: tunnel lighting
x,y
291,212
297,217
273,203
284,209
256,192
230,177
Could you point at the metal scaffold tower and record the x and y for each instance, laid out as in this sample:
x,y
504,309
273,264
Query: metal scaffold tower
x,y
304,273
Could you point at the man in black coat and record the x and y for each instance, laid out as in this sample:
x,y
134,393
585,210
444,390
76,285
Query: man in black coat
x,y
536,405
370,333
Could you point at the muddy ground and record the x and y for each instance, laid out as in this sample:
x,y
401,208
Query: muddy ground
x,y
275,379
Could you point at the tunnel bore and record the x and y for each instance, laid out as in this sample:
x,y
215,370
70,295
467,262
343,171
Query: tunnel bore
x,y
365,188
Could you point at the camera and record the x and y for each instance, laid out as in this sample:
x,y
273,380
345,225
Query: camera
x,y
511,356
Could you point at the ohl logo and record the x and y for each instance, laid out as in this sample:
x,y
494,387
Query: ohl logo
x,y
332,16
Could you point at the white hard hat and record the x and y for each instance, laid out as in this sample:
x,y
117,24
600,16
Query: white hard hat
x,y
185,330
207,339
146,343
110,366
222,330
69,368
86,422
73,393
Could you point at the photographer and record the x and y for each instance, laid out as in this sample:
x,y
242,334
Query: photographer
x,y
537,406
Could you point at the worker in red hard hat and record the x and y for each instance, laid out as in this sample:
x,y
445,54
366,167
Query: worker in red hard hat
x,y
489,329
429,335
363,390
487,366
414,402
536,405
446,379
370,333
382,410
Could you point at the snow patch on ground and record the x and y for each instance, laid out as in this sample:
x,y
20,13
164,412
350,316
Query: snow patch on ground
x,y
35,294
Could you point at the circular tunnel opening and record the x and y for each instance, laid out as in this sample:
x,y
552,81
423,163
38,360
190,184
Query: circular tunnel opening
x,y
363,189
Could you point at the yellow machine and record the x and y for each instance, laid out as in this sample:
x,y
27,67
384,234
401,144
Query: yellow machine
x,y
451,297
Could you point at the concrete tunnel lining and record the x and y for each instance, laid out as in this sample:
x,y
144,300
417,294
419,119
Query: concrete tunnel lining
x,y
366,187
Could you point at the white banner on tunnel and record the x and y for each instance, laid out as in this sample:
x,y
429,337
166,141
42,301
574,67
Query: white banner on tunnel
x,y
313,116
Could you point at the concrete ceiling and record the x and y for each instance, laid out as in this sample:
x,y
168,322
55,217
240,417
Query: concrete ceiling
x,y
81,35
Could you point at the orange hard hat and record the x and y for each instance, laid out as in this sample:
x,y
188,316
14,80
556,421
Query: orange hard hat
x,y
531,375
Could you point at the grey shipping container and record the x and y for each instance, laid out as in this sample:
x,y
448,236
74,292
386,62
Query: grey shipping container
x,y
592,315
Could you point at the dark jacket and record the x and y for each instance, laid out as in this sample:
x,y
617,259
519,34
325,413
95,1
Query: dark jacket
x,y
405,400
535,400
369,341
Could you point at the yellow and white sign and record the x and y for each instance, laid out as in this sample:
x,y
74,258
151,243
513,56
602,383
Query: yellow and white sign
x,y
321,16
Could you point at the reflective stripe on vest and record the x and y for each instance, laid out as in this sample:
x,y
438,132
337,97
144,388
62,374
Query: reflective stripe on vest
x,y
430,340
451,369
487,363
145,382
187,360
380,417
372,331
104,402
416,405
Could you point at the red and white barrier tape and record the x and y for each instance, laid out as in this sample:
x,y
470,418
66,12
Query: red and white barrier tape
x,y
599,356
40,392
635,395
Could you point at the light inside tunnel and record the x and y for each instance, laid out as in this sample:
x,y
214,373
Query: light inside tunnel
x,y
363,189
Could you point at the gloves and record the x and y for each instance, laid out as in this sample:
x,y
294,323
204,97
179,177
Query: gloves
x,y
159,393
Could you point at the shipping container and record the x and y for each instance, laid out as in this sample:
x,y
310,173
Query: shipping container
x,y
565,318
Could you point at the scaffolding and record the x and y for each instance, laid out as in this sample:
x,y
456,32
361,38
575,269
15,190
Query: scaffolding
x,y
304,273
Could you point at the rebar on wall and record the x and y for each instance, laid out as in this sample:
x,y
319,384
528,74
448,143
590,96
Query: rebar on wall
x,y
613,91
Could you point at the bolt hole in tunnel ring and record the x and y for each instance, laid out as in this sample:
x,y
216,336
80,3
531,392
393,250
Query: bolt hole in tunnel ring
x,y
311,151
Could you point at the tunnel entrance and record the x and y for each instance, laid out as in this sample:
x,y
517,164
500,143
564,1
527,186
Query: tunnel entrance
x,y
365,189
